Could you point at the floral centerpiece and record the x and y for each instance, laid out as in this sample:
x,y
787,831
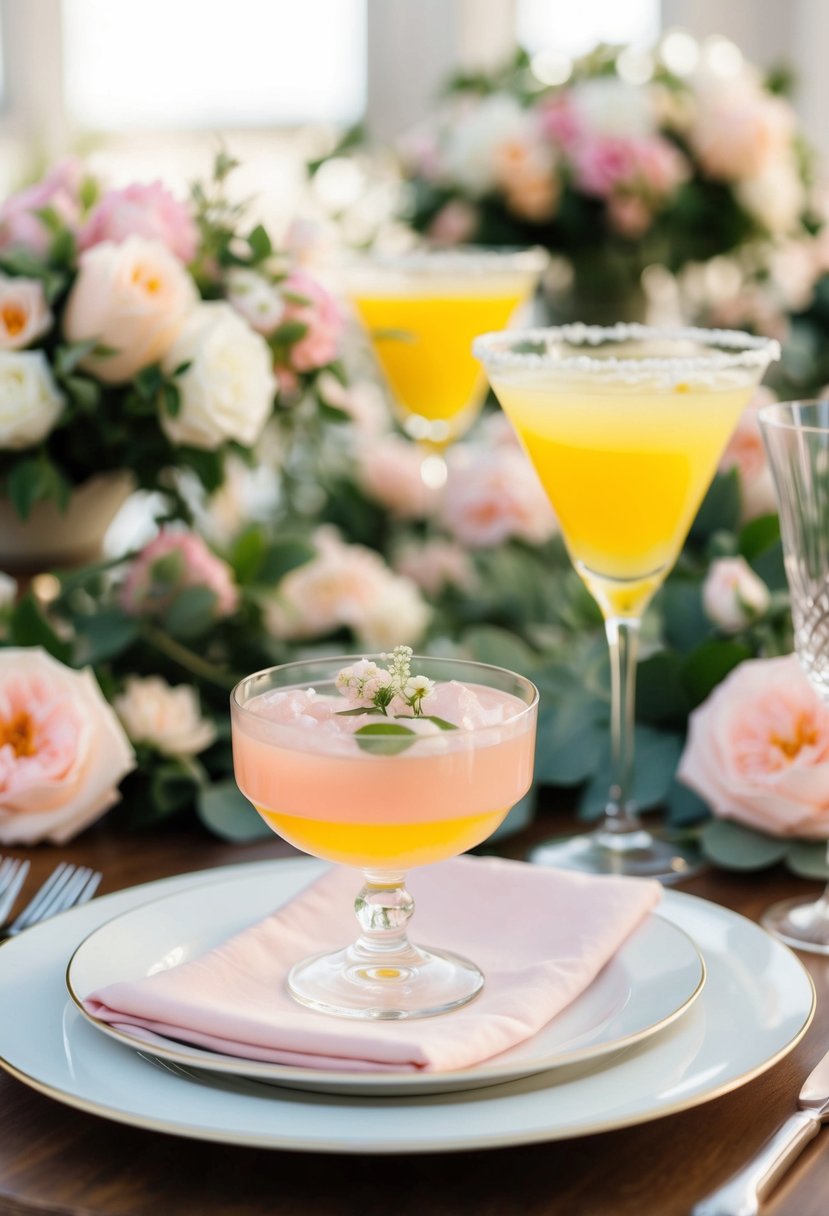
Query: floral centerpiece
x,y
141,336
630,159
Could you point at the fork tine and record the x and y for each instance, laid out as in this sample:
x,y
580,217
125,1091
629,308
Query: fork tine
x,y
12,876
68,894
34,910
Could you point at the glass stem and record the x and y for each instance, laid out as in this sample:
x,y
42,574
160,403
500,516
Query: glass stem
x,y
623,640
384,908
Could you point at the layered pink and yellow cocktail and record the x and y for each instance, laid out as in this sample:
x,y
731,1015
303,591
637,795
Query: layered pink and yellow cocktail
x,y
418,773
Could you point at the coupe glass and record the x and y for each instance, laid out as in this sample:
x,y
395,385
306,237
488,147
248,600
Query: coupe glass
x,y
796,436
422,311
625,426
384,809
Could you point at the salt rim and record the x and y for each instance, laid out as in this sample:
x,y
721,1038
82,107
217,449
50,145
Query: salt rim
x,y
469,259
496,350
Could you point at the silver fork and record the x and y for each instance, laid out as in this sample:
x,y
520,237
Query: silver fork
x,y
66,887
12,876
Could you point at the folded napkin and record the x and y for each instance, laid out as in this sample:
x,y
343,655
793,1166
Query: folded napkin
x,y
539,935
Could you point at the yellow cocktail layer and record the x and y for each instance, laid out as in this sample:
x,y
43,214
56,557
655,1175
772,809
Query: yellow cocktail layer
x,y
625,472
424,346
383,845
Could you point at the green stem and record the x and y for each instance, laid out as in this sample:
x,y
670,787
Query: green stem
x,y
187,658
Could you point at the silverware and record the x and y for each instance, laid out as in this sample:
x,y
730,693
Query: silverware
x,y
66,887
12,876
741,1194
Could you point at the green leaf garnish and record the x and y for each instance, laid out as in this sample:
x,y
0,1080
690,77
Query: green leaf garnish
x,y
441,722
393,335
385,738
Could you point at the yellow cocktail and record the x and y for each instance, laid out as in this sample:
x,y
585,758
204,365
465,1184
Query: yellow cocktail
x,y
422,312
625,427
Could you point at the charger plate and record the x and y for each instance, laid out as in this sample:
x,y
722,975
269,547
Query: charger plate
x,y
757,1003
652,980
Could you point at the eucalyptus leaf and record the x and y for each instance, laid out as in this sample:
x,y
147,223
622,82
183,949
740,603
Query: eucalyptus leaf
x,y
28,626
807,858
282,557
657,756
736,847
223,808
191,613
499,647
684,807
571,737
710,663
385,738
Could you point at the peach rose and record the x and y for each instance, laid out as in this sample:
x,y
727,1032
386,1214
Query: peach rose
x,y
134,298
436,564
389,472
739,129
494,495
746,454
732,595
63,751
24,313
758,750
167,718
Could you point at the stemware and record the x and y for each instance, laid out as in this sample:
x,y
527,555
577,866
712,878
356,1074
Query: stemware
x,y
796,436
625,426
422,310
363,790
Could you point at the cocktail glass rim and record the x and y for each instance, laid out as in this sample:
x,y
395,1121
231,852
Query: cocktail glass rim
x,y
285,731
436,261
775,415
725,349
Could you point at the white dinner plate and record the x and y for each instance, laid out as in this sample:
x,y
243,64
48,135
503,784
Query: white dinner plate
x,y
757,1002
652,980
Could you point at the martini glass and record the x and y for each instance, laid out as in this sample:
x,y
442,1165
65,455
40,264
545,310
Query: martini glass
x,y
383,804
422,311
796,436
625,426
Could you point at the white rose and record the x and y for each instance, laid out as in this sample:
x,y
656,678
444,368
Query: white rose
x,y
776,196
63,751
30,403
227,391
133,298
396,612
8,591
24,313
255,299
733,595
610,107
169,719
474,138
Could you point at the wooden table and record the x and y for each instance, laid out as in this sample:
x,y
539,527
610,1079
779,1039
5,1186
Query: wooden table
x,y
57,1160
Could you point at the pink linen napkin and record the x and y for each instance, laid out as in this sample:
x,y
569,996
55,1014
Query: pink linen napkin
x,y
539,935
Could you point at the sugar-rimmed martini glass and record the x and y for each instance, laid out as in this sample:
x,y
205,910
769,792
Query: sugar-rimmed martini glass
x,y
422,310
796,435
625,426
355,788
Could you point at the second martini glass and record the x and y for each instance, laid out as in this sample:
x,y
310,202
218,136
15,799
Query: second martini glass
x,y
422,310
625,426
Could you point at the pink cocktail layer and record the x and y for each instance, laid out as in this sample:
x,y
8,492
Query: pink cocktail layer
x,y
295,754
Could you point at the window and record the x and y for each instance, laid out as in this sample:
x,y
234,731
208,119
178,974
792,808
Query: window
x,y
206,64
575,28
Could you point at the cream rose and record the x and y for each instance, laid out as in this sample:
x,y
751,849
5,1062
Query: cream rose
x,y
24,313
63,751
169,719
30,402
733,595
133,298
758,750
255,299
227,391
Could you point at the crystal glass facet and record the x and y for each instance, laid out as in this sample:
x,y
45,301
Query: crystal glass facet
x,y
625,426
796,436
384,809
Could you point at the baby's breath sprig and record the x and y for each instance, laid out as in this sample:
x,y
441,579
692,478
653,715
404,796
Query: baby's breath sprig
x,y
372,688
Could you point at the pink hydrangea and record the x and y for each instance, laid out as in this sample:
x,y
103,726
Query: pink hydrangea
x,y
321,314
493,496
144,593
147,210
21,227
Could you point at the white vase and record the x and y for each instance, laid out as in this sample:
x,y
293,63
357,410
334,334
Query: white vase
x,y
56,539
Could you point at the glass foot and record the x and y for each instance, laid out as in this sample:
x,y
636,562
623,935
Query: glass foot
x,y
800,923
634,855
351,984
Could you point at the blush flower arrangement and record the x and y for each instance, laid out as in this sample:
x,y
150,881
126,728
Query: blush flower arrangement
x,y
671,157
145,335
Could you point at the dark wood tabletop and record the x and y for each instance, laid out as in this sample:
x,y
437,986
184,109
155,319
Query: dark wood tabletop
x,y
54,1159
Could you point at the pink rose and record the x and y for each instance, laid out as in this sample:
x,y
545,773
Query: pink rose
x,y
389,472
629,215
733,595
746,454
320,312
492,496
150,211
20,226
24,313
454,224
758,750
601,163
134,298
561,121
147,591
435,565
63,751
739,129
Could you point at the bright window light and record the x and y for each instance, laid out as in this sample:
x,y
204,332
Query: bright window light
x,y
575,28
196,64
